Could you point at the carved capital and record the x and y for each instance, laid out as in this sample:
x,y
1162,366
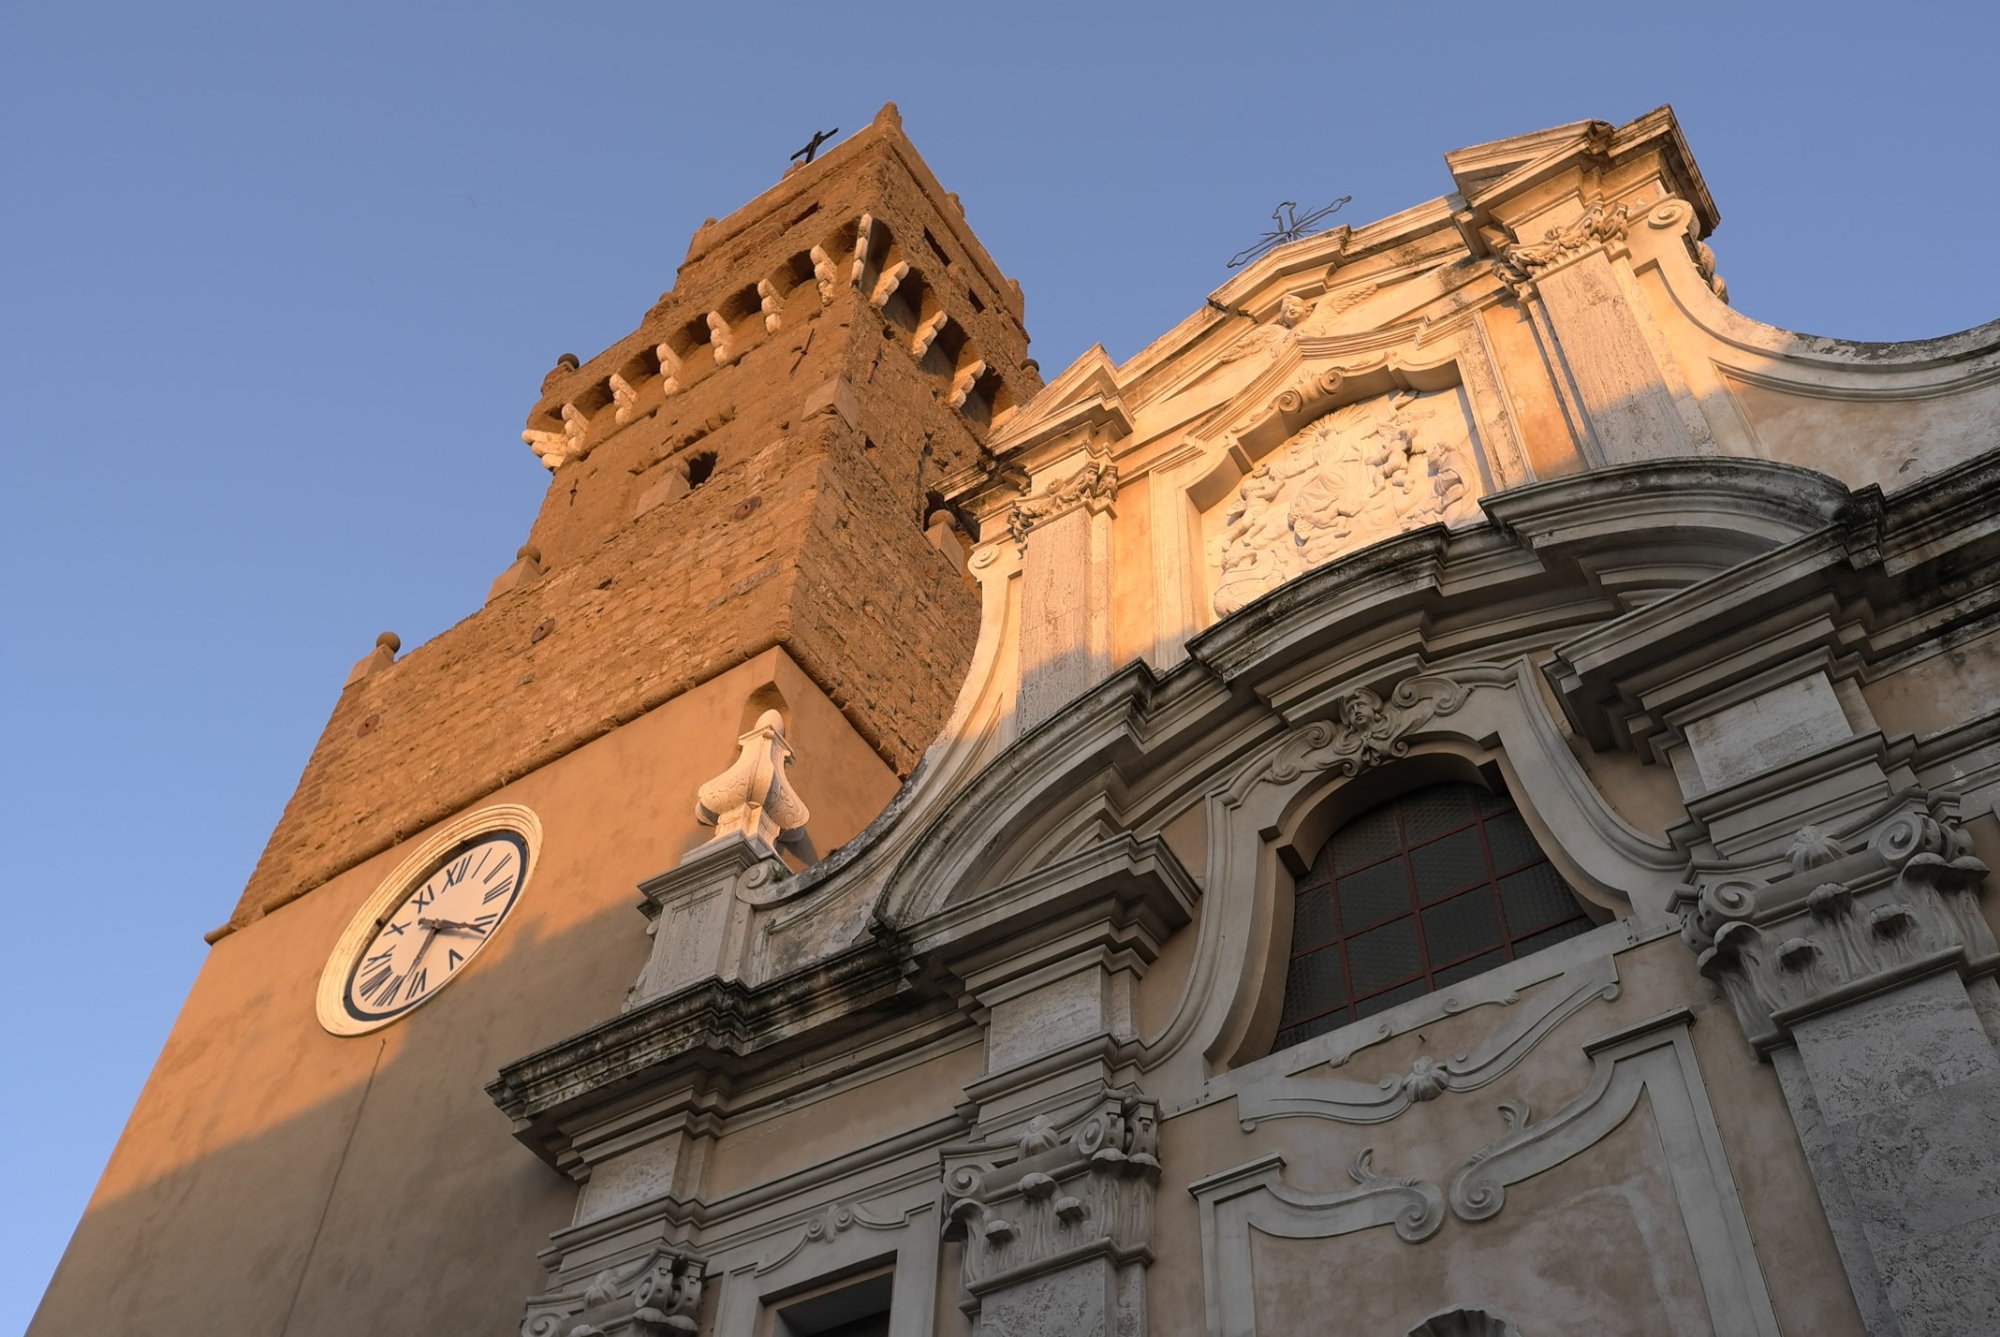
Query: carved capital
x,y
1061,1196
1840,926
656,1297
1598,225
1094,486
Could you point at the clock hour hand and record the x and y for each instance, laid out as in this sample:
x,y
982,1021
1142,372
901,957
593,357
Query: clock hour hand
x,y
435,924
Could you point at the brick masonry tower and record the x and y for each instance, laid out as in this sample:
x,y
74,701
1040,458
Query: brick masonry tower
x,y
750,468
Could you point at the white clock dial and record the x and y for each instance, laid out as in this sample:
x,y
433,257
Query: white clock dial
x,y
428,937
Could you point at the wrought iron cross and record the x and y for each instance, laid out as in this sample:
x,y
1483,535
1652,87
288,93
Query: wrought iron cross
x,y
1291,227
811,149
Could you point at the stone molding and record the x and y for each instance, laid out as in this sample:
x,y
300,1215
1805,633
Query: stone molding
x,y
898,1229
1654,1059
1255,1197
1357,474
1281,1095
1364,730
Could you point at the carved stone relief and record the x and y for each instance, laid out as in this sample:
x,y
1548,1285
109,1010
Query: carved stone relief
x,y
1365,731
656,1297
1363,472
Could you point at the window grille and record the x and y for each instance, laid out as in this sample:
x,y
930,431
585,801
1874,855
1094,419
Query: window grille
x,y
1414,895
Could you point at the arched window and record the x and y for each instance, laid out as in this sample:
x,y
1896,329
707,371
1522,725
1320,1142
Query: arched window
x,y
1416,894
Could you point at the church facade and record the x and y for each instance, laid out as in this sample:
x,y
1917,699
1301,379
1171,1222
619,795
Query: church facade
x,y
1450,795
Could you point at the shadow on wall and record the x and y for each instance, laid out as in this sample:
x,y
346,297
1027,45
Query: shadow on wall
x,y
396,1201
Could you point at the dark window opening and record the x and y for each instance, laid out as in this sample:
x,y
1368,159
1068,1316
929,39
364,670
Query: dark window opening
x,y
1415,895
936,249
860,1309
699,466
973,298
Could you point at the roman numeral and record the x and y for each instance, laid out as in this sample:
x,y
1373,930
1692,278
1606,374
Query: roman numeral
x,y
417,981
374,985
452,960
423,897
380,958
495,893
486,921
397,929
456,873
484,855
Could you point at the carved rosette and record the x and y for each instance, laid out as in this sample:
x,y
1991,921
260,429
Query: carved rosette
x,y
1061,1199
657,1297
1841,926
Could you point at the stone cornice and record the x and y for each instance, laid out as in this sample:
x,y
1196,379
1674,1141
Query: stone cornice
x,y
1878,580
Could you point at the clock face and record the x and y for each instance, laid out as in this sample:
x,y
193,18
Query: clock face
x,y
429,936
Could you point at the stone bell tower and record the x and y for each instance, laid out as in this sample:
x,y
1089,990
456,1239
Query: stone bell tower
x,y
752,467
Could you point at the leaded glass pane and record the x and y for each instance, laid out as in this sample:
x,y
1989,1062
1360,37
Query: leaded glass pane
x,y
1312,918
1434,811
1315,983
1367,838
1507,835
1448,865
1550,937
1535,898
1465,970
1382,1002
1373,895
1415,895
1384,956
1462,925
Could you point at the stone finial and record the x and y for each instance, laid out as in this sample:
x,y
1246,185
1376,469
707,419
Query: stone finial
x,y
754,798
383,655
771,304
718,336
525,570
889,117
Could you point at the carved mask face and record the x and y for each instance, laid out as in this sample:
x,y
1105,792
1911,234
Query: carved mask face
x,y
1291,311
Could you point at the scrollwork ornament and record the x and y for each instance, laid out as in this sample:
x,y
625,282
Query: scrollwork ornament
x,y
1365,730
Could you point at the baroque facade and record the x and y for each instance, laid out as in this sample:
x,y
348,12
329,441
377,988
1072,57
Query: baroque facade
x,y
1450,794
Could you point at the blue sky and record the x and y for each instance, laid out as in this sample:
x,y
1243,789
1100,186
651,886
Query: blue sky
x,y
278,285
